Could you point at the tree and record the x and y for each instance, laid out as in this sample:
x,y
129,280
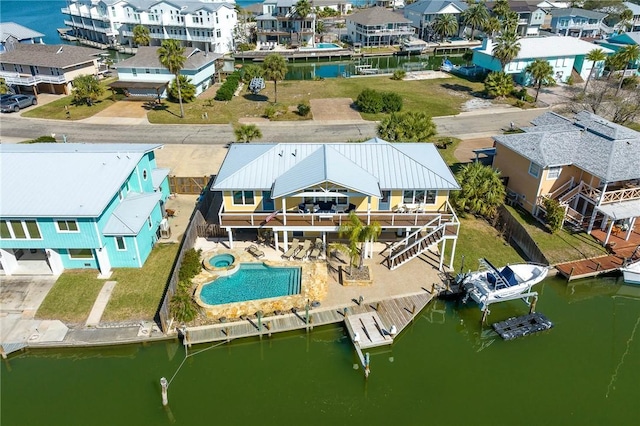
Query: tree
x,y
613,63
501,8
554,214
4,88
510,23
475,16
506,49
445,25
247,132
358,234
595,56
251,71
498,84
492,27
303,9
275,68
171,56
187,89
321,29
628,54
407,127
542,73
141,35
481,190
86,89
467,56
625,19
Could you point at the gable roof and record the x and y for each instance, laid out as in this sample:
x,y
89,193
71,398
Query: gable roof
x,y
17,31
50,55
64,180
607,150
547,47
147,57
365,167
376,16
574,11
131,214
429,7
190,5
632,37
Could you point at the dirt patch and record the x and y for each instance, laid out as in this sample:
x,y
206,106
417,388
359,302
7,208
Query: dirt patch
x,y
125,109
464,152
333,109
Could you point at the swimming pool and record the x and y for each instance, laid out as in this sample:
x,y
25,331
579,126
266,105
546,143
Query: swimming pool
x,y
252,281
322,46
222,260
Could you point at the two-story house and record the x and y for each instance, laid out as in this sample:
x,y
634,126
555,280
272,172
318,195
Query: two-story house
x,y
308,190
205,24
144,76
579,23
12,34
531,15
423,12
280,23
635,10
377,26
79,206
588,164
43,68
619,41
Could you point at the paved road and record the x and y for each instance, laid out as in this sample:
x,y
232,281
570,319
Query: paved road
x,y
466,125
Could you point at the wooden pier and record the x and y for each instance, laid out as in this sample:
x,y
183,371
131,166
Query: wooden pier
x,y
590,267
368,330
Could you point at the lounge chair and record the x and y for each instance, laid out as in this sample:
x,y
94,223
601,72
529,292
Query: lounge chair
x,y
295,246
255,251
316,250
300,255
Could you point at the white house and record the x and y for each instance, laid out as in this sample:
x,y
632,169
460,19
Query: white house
x,y
423,12
635,9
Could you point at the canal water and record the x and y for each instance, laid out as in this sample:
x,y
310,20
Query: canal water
x,y
444,370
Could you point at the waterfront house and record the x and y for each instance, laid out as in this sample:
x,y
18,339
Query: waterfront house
x,y
531,15
12,34
40,68
308,190
79,206
579,23
377,26
143,76
635,9
567,56
206,25
422,14
280,23
619,41
588,164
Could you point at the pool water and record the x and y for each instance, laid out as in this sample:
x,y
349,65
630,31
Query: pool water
x,y
221,260
252,281
322,46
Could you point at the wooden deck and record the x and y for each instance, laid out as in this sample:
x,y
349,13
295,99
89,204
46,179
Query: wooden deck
x,y
371,330
398,311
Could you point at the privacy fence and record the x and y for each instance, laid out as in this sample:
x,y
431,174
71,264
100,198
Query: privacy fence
x,y
515,233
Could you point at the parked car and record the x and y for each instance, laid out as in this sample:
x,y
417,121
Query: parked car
x,y
15,102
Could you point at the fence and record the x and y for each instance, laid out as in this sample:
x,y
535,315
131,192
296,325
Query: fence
x,y
188,185
516,233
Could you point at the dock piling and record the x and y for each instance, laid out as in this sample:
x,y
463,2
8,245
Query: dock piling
x,y
165,385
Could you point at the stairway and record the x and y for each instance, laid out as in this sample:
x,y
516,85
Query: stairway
x,y
401,253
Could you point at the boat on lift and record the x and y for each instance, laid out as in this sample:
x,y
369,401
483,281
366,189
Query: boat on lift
x,y
631,268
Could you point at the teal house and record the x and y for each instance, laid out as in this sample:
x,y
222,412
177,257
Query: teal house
x,y
79,206
620,41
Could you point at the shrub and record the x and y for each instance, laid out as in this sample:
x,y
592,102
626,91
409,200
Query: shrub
x,y
243,47
182,306
304,109
370,101
228,88
630,82
191,265
570,81
187,89
270,111
391,102
555,214
398,75
42,139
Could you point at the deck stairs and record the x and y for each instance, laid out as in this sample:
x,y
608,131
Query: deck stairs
x,y
565,197
415,244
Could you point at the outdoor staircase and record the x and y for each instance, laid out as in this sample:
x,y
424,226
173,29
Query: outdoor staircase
x,y
414,245
571,216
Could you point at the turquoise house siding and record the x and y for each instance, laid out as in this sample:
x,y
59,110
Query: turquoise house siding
x,y
69,263
122,258
85,237
562,67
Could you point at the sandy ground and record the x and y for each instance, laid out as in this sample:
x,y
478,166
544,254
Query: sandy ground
x,y
191,160
333,109
464,153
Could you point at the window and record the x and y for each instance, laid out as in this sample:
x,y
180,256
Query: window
x,y
18,230
80,254
418,196
243,198
67,225
4,230
32,229
553,173
150,222
144,174
120,244
534,169
134,72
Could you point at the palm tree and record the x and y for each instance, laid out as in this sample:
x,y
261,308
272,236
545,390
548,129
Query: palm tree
x,y
412,126
510,22
595,56
501,8
492,27
475,16
628,54
171,56
141,35
247,132
507,48
542,73
498,84
481,190
275,68
445,25
614,63
625,19
303,8
358,234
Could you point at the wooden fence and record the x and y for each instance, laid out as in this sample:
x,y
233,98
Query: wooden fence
x,y
514,232
188,185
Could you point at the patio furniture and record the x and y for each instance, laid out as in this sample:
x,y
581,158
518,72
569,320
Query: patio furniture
x,y
302,253
295,246
316,250
255,251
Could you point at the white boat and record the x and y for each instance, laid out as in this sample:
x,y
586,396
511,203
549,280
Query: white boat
x,y
631,272
490,284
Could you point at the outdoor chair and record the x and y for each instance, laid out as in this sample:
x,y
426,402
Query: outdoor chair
x,y
255,251
316,250
302,253
295,246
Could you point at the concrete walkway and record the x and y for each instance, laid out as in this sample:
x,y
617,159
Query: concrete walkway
x,y
100,304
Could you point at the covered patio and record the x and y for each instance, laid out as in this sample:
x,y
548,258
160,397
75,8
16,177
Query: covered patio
x,y
619,221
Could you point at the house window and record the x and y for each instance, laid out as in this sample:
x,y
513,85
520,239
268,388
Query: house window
x,y
243,198
120,244
32,229
150,222
80,254
134,72
4,230
534,170
146,70
144,174
218,33
67,225
553,173
18,230
418,196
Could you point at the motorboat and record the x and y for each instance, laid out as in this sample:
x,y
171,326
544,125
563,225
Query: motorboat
x,y
631,272
490,284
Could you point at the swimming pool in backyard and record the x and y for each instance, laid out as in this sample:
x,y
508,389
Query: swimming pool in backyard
x,y
322,46
252,281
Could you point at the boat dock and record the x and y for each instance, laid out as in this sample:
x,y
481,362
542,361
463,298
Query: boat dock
x,y
525,325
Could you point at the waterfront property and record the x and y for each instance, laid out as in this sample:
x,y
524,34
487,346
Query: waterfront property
x,y
12,34
635,10
377,26
40,68
79,206
588,164
281,24
579,23
618,42
567,56
308,190
206,25
423,12
531,15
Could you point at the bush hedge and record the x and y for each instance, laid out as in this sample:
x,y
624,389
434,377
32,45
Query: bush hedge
x,y
228,88
372,101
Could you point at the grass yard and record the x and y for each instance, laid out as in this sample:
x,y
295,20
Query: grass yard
x,y
72,297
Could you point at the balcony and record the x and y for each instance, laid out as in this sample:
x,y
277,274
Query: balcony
x,y
31,80
615,193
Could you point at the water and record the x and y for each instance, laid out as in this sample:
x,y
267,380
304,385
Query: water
x,y
252,281
443,370
43,16
221,260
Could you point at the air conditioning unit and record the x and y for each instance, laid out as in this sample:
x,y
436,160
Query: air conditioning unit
x,y
165,229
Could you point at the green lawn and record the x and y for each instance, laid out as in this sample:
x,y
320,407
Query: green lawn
x,y
72,297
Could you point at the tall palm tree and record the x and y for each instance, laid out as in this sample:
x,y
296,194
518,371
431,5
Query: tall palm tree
x,y
359,234
628,54
625,19
595,56
303,9
171,56
492,27
507,48
275,68
475,16
542,73
141,35
445,25
501,8
510,22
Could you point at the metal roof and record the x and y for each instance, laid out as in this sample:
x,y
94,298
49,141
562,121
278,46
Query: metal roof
x,y
355,165
157,176
17,31
547,47
574,11
131,214
64,180
429,7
